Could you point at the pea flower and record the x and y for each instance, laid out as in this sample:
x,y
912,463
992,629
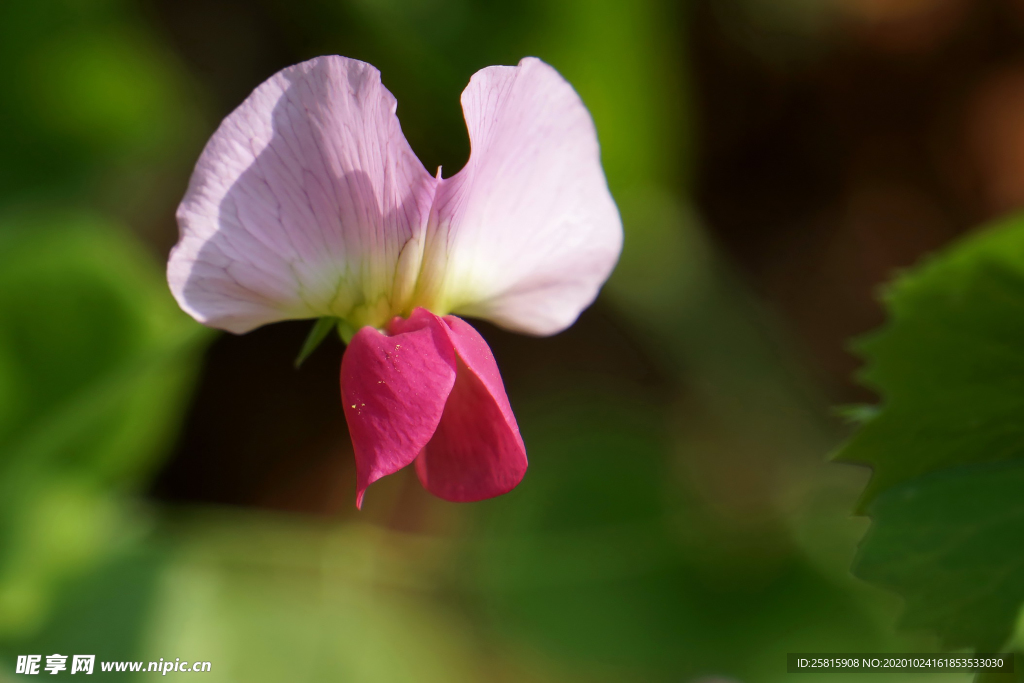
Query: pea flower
x,y
308,202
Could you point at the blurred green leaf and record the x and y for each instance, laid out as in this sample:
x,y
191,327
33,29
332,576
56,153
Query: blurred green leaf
x,y
109,87
949,364
93,97
95,364
102,612
267,598
950,544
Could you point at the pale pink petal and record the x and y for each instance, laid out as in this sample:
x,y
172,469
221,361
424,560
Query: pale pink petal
x,y
394,390
306,202
527,232
476,451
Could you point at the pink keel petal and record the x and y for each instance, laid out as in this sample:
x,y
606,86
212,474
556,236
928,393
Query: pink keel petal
x,y
476,451
394,390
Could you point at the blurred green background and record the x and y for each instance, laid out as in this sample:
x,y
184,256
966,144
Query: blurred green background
x,y
167,491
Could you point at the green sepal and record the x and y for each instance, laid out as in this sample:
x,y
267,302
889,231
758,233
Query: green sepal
x,y
317,334
857,413
345,330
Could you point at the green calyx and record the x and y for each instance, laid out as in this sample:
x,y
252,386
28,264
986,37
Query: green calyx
x,y
321,328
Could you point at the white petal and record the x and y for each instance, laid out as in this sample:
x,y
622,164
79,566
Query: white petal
x,y
527,232
307,201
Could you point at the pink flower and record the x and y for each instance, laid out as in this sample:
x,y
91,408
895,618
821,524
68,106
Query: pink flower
x,y
309,203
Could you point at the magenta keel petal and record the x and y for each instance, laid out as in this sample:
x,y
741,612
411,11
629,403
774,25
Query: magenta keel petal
x,y
476,451
394,390
430,389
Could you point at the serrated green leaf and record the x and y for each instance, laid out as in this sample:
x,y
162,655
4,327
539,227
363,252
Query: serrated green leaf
x,y
949,365
952,544
947,443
